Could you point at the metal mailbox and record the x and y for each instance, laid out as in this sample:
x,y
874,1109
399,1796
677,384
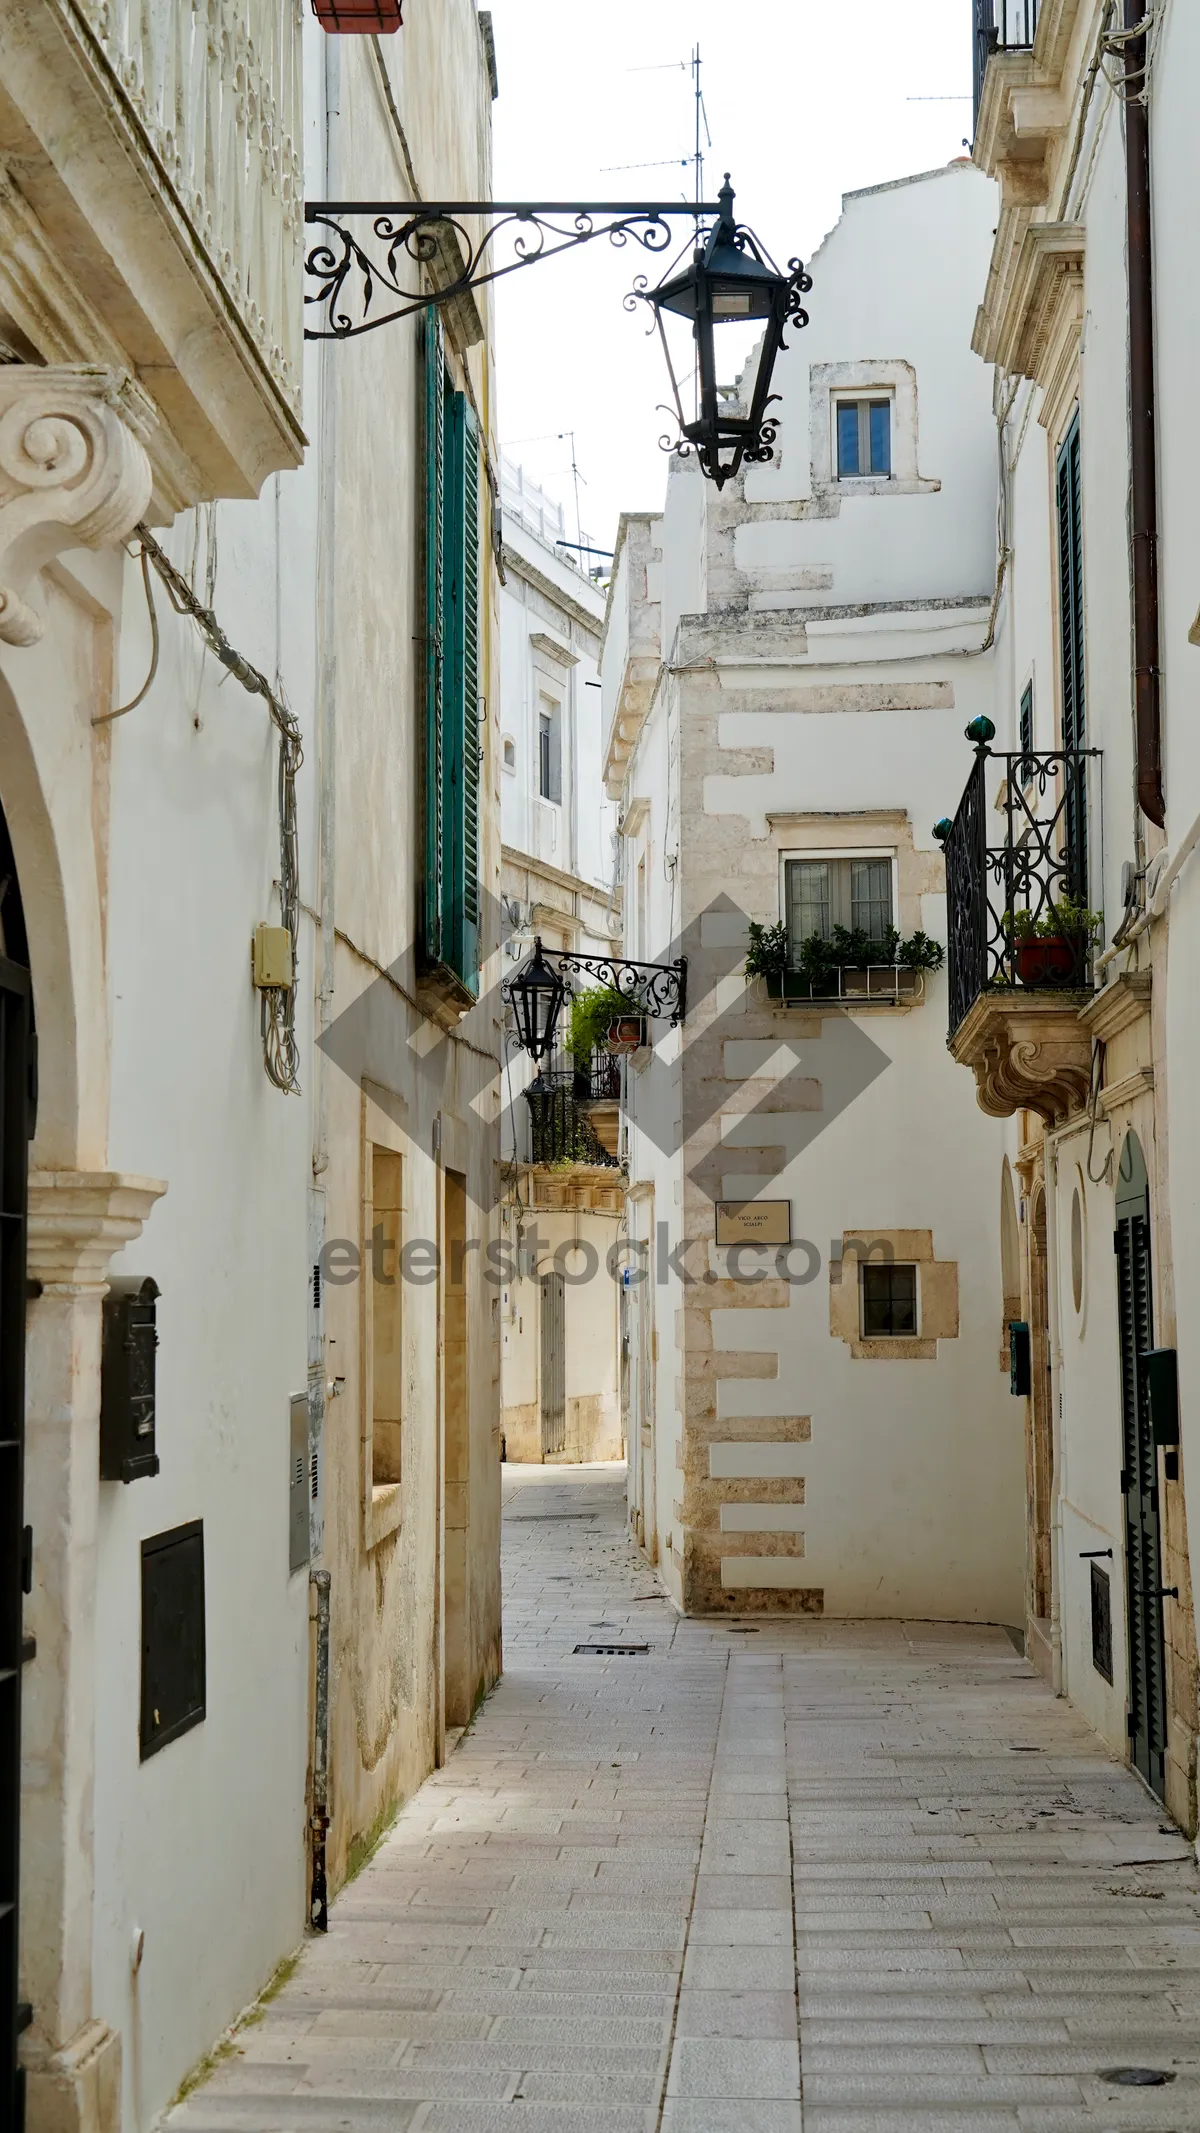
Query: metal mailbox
x,y
127,1380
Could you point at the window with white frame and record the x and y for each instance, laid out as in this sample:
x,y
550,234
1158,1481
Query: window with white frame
x,y
864,439
853,892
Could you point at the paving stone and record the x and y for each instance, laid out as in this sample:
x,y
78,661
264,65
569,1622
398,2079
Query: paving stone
x,y
630,1896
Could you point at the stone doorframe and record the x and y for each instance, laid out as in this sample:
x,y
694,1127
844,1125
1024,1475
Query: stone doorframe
x,y
77,1220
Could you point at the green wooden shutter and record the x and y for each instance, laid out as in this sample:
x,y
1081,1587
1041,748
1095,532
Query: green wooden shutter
x,y
471,701
1074,704
460,724
435,395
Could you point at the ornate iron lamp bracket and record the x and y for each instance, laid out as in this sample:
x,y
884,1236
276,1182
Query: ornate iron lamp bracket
x,y
653,989
367,265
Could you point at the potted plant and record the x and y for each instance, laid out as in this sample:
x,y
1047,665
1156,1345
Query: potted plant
x,y
1055,949
603,1019
767,956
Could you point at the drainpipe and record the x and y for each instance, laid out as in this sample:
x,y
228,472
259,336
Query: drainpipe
x,y
1143,528
318,1910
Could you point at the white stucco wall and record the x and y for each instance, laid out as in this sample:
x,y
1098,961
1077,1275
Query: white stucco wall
x,y
838,659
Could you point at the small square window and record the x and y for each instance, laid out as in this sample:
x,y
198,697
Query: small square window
x,y
889,1301
864,439
173,1664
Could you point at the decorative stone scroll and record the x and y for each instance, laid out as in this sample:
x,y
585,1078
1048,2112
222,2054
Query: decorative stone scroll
x,y
72,473
1027,1053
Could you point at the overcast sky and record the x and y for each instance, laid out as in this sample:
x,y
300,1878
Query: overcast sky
x,y
806,99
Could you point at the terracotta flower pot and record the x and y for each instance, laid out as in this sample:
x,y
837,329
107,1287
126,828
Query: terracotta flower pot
x,y
1050,959
626,1033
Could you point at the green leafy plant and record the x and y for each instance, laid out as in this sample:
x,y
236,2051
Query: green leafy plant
x,y
918,952
1065,919
767,956
852,948
592,1012
816,960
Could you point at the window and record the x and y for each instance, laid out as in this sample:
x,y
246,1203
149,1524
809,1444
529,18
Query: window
x,y
549,749
510,752
450,905
889,1301
864,438
1026,742
824,893
386,1375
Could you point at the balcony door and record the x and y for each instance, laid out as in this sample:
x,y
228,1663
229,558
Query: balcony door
x,y
1139,1475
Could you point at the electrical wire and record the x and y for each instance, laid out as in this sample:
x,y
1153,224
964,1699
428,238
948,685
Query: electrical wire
x,y
1095,1080
105,718
281,1054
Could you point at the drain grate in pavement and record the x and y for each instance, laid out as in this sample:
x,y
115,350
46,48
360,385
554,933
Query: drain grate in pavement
x,y
613,1651
1137,2077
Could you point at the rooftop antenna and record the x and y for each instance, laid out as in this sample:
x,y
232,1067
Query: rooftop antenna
x,y
577,477
701,124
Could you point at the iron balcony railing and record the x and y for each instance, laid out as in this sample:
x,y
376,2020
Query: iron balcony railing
x,y
559,1131
1019,913
1001,26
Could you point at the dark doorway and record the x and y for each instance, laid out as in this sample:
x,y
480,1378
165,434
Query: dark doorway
x,y
1139,1474
554,1364
16,1128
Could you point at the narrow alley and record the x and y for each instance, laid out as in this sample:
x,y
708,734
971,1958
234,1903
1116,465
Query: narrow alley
x,y
678,1874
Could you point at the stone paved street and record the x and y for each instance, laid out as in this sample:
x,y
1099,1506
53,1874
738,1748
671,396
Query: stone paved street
x,y
666,1891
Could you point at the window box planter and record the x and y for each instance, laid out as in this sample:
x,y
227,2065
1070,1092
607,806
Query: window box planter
x,y
885,982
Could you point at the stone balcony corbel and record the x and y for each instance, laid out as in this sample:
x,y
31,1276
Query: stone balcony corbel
x,y
79,1218
1028,1051
73,472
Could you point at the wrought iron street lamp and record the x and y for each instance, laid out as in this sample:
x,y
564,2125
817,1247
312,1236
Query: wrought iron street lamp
x,y
536,995
539,989
731,280
372,262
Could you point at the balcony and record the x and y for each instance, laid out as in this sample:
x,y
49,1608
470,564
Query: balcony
x,y
1022,936
1001,26
151,220
570,1111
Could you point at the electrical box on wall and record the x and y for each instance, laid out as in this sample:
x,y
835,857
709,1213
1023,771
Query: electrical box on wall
x,y
298,1484
127,1380
273,960
1162,1392
1020,1365
173,1641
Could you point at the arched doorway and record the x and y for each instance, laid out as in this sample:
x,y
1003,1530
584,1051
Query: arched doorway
x,y
1139,1475
17,1099
1039,1446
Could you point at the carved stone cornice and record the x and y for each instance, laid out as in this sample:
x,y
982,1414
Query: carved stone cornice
x,y
1123,1002
72,473
1028,1052
79,1218
1045,293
